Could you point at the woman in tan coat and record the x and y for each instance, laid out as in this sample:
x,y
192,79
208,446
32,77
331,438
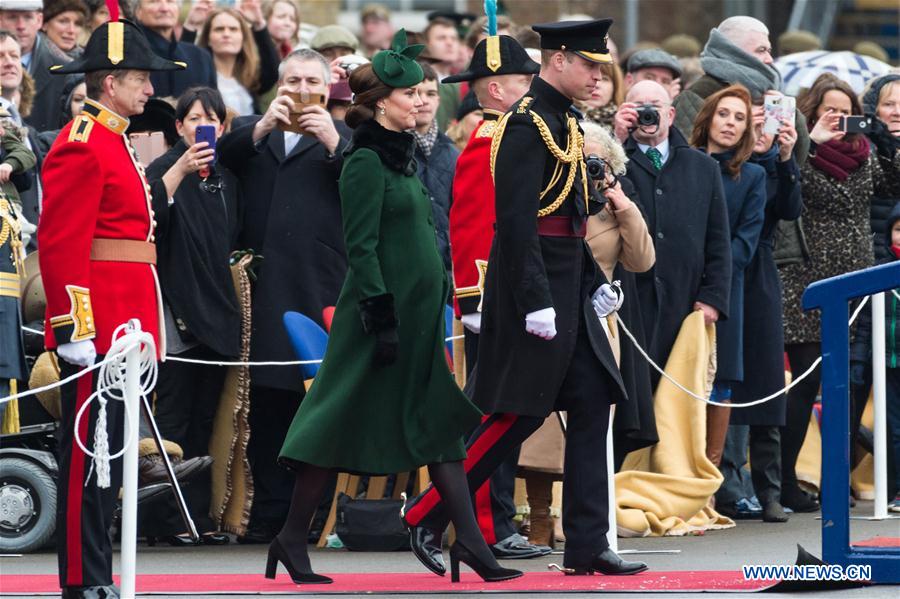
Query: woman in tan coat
x,y
617,236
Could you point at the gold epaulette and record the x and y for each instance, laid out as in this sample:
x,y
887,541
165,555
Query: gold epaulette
x,y
523,105
486,129
81,128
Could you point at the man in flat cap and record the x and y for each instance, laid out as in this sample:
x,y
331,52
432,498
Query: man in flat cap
x,y
97,262
657,65
499,75
542,347
24,19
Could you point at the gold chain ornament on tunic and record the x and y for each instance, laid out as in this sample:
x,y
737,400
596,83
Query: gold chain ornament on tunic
x,y
572,156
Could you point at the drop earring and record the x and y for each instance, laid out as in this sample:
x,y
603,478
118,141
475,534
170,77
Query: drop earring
x,y
381,111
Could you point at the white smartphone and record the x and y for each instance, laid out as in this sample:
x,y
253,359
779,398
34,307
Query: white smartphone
x,y
777,110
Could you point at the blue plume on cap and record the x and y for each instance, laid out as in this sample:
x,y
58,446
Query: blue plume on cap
x,y
490,9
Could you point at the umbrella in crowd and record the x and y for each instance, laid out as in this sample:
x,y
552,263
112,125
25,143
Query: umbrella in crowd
x,y
801,69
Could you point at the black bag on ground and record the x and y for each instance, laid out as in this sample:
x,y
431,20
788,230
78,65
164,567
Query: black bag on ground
x,y
370,524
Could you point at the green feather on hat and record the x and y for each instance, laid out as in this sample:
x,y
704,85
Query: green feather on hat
x,y
397,67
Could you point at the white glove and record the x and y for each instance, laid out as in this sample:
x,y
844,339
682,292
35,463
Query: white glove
x,y
472,321
607,300
79,353
542,323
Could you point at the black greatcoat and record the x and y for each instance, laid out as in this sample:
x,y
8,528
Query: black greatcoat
x,y
293,218
763,329
194,238
684,204
518,372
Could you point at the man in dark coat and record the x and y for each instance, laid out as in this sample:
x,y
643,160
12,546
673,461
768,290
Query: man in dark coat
x,y
738,51
542,347
679,190
293,219
158,20
24,19
436,160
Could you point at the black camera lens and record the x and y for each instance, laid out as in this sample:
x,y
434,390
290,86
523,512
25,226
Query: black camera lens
x,y
596,168
648,115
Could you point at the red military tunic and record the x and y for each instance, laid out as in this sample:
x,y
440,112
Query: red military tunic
x,y
472,217
94,189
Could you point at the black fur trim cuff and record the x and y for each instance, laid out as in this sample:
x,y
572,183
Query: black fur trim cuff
x,y
378,313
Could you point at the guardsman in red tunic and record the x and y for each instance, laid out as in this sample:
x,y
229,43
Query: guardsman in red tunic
x,y
500,73
97,262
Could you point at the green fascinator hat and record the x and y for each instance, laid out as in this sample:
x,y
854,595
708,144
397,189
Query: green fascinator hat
x,y
397,67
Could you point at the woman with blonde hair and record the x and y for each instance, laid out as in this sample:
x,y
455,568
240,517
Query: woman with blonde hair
x,y
621,246
608,94
283,23
246,60
723,129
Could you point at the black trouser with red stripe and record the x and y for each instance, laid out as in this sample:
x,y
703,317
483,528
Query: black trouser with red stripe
x,y
495,507
84,512
584,394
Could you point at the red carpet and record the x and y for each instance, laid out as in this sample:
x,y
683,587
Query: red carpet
x,y
417,583
878,542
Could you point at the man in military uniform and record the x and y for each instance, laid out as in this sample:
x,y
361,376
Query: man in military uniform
x,y
12,351
97,261
500,73
542,347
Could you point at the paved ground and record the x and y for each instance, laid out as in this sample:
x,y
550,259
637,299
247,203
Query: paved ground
x,y
748,543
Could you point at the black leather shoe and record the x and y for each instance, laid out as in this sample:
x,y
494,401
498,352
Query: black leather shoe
x,y
608,563
100,592
258,534
774,512
516,546
798,500
151,468
426,544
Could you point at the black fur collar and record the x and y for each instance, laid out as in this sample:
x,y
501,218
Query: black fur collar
x,y
395,148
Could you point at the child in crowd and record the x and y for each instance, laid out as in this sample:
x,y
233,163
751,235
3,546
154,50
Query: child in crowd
x,y
861,354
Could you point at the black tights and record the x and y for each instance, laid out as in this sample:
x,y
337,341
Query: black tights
x,y
449,478
800,401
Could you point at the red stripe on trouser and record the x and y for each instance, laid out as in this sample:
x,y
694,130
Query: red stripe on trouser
x,y
476,452
485,514
74,494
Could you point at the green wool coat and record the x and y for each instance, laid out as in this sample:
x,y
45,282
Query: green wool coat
x,y
359,417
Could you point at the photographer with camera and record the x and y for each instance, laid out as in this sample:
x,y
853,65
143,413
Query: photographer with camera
x,y
680,192
298,230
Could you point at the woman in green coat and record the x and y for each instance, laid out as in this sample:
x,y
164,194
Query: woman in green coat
x,y
384,400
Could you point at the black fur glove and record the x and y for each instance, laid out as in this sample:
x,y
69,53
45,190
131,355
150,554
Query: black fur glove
x,y
380,318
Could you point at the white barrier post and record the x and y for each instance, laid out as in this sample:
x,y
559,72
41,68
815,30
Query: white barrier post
x,y
128,553
878,404
612,535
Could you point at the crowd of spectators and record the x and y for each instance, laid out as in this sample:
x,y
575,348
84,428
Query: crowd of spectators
x,y
742,220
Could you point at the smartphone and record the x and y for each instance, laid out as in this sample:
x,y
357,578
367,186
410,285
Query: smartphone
x,y
207,133
301,101
854,124
777,110
148,146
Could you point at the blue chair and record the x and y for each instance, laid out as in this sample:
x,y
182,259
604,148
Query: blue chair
x,y
308,340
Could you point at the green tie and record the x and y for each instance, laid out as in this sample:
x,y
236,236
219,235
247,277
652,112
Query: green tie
x,y
655,157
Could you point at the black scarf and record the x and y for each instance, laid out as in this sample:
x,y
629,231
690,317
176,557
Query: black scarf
x,y
395,148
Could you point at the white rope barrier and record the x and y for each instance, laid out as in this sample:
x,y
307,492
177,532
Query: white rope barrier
x,y
111,382
624,328
207,362
706,400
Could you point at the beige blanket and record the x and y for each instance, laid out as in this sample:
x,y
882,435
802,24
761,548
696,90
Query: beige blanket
x,y
665,490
